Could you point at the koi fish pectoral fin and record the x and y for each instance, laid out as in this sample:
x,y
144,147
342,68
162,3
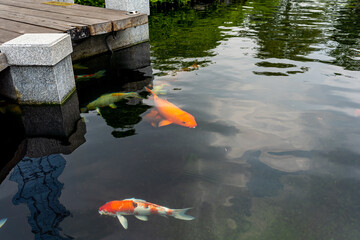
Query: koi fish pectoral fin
x,y
164,123
2,222
122,220
155,119
142,218
112,105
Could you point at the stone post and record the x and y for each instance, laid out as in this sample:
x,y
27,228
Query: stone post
x,y
142,6
66,1
41,67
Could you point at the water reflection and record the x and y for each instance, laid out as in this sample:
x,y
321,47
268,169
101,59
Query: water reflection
x,y
127,70
46,131
39,189
312,30
12,145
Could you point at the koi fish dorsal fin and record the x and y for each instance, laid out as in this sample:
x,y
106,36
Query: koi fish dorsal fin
x,y
135,199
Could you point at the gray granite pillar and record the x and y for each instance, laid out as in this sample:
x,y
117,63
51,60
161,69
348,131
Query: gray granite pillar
x,y
41,67
142,6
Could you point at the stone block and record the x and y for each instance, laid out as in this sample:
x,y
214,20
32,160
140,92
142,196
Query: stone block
x,y
134,57
43,84
142,6
37,49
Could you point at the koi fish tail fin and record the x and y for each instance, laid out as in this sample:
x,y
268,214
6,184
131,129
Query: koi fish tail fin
x,y
180,214
99,74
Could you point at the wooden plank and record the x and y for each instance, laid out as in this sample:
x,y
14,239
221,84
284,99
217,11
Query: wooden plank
x,y
99,10
76,31
7,35
96,26
120,19
130,22
22,28
3,61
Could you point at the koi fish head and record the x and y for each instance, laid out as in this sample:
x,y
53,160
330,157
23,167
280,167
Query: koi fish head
x,y
106,209
187,120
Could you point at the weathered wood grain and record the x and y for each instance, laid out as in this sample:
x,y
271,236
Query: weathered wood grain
x,y
96,26
120,20
76,31
24,27
61,9
6,35
129,22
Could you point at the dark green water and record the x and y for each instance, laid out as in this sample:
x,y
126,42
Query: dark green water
x,y
275,154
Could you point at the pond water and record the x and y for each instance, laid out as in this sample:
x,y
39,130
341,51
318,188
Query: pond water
x,y
274,88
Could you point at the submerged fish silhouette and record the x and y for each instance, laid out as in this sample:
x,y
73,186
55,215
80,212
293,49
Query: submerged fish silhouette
x,y
98,74
166,113
140,209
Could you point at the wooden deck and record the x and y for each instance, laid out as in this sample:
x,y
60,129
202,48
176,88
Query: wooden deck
x,y
34,16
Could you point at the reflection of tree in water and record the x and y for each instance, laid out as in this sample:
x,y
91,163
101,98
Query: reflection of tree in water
x,y
295,30
124,117
284,34
346,34
40,189
180,34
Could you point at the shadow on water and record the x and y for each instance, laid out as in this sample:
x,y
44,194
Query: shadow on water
x,y
39,135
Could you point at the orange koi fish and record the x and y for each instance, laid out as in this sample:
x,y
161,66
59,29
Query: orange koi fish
x,y
140,209
167,113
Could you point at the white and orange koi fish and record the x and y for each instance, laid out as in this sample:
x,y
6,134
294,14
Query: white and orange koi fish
x,y
140,209
166,113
